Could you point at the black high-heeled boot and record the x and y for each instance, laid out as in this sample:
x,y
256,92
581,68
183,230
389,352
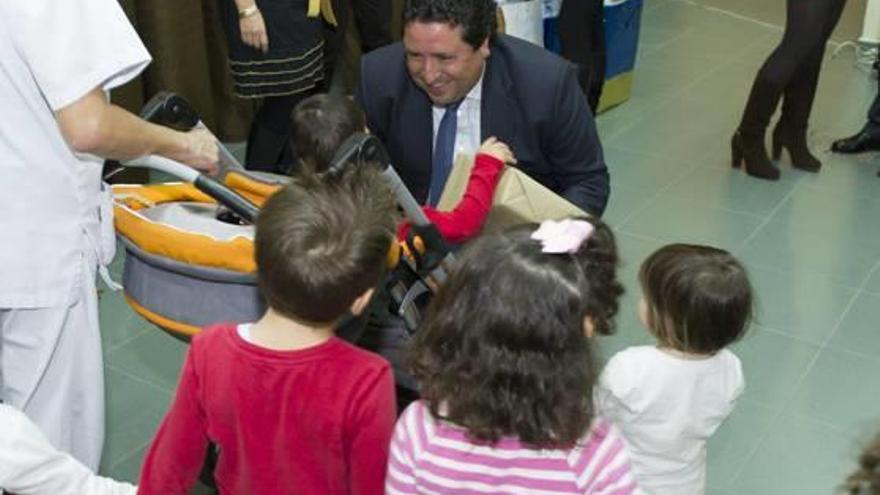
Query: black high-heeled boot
x,y
795,141
749,150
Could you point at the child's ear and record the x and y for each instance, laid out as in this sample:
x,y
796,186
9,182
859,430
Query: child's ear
x,y
589,327
360,304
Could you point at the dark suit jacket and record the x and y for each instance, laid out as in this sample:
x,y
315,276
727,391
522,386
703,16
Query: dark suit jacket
x,y
531,101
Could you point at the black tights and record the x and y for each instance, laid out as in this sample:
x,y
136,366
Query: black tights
x,y
791,72
268,147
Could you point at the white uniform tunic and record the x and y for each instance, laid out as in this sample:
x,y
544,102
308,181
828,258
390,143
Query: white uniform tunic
x,y
53,53
29,465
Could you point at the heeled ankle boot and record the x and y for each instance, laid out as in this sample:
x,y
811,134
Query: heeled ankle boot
x,y
748,149
795,141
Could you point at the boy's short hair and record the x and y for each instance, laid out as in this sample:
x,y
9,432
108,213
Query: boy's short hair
x,y
698,298
322,242
320,124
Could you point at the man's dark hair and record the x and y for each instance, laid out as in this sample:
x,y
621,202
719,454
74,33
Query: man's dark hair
x,y
476,18
699,298
503,351
321,242
320,124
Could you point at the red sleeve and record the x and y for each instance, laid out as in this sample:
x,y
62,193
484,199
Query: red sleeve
x,y
177,453
370,438
467,218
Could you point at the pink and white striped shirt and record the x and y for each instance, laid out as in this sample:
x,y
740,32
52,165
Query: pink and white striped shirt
x,y
433,457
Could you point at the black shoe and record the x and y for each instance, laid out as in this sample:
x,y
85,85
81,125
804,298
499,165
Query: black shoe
x,y
795,141
865,140
749,151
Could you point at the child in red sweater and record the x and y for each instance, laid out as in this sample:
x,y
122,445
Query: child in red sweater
x,y
321,123
290,407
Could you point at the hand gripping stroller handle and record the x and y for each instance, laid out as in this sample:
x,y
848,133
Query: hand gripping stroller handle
x,y
208,185
169,109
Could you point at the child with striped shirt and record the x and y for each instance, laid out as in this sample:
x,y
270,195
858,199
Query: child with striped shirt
x,y
506,370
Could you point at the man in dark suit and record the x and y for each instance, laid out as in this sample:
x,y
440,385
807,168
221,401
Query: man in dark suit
x,y
453,82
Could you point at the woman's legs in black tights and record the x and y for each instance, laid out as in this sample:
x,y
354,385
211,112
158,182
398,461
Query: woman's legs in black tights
x,y
808,25
798,97
268,147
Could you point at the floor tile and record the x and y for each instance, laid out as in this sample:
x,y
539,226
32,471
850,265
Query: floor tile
x,y
643,172
119,323
839,214
793,248
153,356
677,220
840,389
128,468
873,283
773,365
797,455
859,331
134,410
729,449
798,303
733,190
623,202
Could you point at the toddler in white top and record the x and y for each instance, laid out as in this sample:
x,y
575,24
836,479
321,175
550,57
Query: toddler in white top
x,y
669,398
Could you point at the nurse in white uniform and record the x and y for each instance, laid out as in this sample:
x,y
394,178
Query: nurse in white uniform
x,y
57,60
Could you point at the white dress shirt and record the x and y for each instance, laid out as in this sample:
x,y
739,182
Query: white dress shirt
x,y
467,132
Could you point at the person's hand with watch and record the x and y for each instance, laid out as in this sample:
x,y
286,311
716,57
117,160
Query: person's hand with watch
x,y
252,25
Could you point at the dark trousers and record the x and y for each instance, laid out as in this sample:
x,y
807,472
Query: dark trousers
x,y
582,40
874,111
791,72
373,21
268,147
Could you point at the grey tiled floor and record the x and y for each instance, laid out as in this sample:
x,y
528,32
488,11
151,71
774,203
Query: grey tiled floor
x,y
810,241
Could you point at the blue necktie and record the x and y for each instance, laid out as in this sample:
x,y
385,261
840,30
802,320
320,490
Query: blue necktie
x,y
444,150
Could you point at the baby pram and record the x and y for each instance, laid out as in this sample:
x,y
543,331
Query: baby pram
x,y
189,244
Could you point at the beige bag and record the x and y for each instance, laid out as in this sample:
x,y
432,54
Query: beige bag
x,y
518,198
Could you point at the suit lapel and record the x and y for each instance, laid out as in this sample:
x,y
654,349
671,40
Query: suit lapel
x,y
416,133
498,114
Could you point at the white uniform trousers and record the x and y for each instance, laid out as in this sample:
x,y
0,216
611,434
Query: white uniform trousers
x,y
51,368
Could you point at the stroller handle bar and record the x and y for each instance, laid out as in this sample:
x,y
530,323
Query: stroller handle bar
x,y
208,185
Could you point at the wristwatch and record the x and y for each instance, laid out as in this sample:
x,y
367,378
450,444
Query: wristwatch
x,y
253,9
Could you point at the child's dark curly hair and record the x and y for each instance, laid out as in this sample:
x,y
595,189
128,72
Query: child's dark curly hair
x,y
503,350
866,481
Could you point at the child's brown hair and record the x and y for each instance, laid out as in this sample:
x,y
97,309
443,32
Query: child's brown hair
x,y
699,299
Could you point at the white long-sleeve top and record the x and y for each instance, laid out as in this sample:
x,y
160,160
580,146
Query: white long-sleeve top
x,y
30,465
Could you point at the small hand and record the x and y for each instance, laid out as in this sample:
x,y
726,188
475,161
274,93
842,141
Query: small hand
x,y
200,150
253,32
497,149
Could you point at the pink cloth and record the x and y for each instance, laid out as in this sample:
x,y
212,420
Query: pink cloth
x,y
433,456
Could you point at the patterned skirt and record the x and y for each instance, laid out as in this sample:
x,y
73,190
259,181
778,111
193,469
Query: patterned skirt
x,y
295,60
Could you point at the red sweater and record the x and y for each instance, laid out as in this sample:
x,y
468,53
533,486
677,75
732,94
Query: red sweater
x,y
467,218
311,421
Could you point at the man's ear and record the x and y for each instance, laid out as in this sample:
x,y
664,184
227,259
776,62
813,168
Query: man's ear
x,y
589,327
360,304
484,49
